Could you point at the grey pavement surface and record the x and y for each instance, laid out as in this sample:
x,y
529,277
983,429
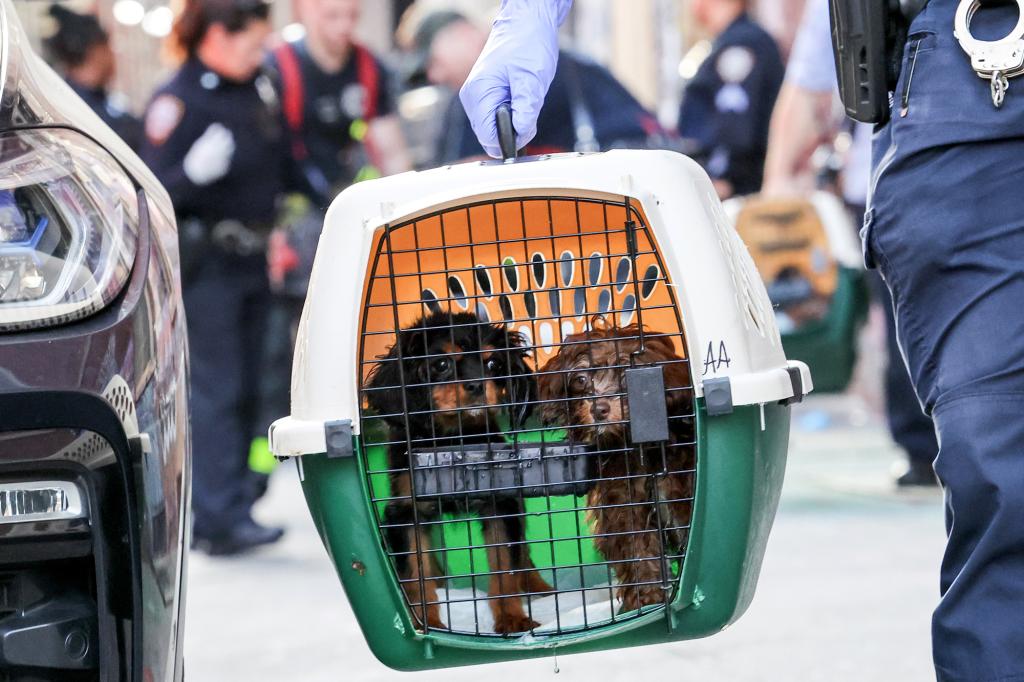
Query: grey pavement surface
x,y
846,591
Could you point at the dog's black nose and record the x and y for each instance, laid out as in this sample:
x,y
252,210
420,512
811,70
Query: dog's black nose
x,y
601,409
474,388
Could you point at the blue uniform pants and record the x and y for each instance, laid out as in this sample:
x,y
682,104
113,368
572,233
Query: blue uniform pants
x,y
226,301
946,228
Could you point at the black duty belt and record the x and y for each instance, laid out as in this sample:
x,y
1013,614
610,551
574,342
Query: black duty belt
x,y
230,236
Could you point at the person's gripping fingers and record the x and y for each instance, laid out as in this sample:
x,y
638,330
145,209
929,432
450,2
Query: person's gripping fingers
x,y
527,99
481,98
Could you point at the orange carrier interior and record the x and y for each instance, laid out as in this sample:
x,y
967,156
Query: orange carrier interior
x,y
546,267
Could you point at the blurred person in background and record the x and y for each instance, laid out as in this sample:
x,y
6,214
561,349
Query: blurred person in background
x,y
80,48
213,137
728,104
802,120
338,111
587,109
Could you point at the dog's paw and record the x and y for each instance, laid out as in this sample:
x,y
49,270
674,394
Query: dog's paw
x,y
633,599
510,624
532,583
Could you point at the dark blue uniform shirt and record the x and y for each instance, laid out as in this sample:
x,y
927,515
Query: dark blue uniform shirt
x,y
128,127
727,106
181,111
618,120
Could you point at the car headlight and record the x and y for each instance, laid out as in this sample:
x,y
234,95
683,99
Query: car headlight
x,y
40,501
68,227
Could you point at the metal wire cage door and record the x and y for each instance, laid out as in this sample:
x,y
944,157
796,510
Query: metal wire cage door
x,y
527,415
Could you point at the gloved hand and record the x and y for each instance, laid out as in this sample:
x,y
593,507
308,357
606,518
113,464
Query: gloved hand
x,y
517,65
209,158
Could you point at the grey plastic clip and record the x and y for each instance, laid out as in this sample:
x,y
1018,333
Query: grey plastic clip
x,y
648,413
338,436
718,396
796,380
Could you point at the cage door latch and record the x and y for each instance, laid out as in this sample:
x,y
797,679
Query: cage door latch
x,y
338,435
796,379
718,396
648,412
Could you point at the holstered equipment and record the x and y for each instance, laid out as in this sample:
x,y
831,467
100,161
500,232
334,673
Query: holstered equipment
x,y
867,42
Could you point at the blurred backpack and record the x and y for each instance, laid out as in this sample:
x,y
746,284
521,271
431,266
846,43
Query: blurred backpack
x,y
293,246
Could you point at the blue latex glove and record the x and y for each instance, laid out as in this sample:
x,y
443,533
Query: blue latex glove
x,y
517,65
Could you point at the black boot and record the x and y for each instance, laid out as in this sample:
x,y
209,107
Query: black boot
x,y
244,537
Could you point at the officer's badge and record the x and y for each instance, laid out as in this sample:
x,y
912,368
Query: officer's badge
x,y
732,98
735,64
327,110
163,117
353,101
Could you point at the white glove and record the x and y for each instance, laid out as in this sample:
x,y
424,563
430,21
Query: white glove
x,y
209,158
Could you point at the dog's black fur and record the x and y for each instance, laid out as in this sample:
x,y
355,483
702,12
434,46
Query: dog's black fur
x,y
444,383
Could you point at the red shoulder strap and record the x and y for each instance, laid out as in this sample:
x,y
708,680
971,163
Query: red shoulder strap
x,y
369,78
293,98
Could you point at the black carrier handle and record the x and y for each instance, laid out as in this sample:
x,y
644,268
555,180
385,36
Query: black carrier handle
x,y
506,131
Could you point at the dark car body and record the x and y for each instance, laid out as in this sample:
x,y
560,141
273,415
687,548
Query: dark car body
x,y
94,441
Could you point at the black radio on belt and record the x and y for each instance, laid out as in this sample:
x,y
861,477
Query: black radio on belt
x,y
867,41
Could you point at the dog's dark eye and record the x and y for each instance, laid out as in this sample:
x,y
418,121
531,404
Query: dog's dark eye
x,y
579,383
494,366
440,367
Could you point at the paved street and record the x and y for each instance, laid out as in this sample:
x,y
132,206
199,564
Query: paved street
x,y
846,592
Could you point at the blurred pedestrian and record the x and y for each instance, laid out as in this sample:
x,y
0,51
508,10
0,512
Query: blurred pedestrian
x,y
800,122
727,106
338,111
587,109
214,139
80,48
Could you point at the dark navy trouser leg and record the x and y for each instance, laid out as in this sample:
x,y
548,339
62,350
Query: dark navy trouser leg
x,y
225,305
951,248
909,426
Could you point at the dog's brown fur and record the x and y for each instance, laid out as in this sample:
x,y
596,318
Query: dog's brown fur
x,y
583,388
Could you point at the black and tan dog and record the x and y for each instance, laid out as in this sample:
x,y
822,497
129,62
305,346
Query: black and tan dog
x,y
638,489
444,383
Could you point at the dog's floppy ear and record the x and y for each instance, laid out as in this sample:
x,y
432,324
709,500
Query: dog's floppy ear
x,y
660,347
677,376
522,389
385,378
552,383
676,371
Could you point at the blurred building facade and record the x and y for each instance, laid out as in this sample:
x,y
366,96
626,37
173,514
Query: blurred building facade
x,y
642,41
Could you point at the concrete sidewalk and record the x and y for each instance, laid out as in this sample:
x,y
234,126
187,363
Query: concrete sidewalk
x,y
846,592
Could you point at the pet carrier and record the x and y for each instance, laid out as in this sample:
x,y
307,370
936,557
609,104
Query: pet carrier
x,y
539,405
809,257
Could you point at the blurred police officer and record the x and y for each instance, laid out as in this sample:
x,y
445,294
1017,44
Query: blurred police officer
x,y
80,48
727,106
945,225
338,111
587,109
214,140
802,119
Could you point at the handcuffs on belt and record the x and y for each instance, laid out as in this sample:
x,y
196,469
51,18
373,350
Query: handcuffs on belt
x,y
994,60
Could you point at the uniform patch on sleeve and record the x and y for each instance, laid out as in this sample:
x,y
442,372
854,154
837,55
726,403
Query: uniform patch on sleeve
x,y
163,117
732,98
735,64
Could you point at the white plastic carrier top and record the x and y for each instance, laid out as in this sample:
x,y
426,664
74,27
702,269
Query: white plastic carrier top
x,y
727,317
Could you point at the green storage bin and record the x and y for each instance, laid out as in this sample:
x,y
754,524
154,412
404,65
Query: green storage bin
x,y
811,243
